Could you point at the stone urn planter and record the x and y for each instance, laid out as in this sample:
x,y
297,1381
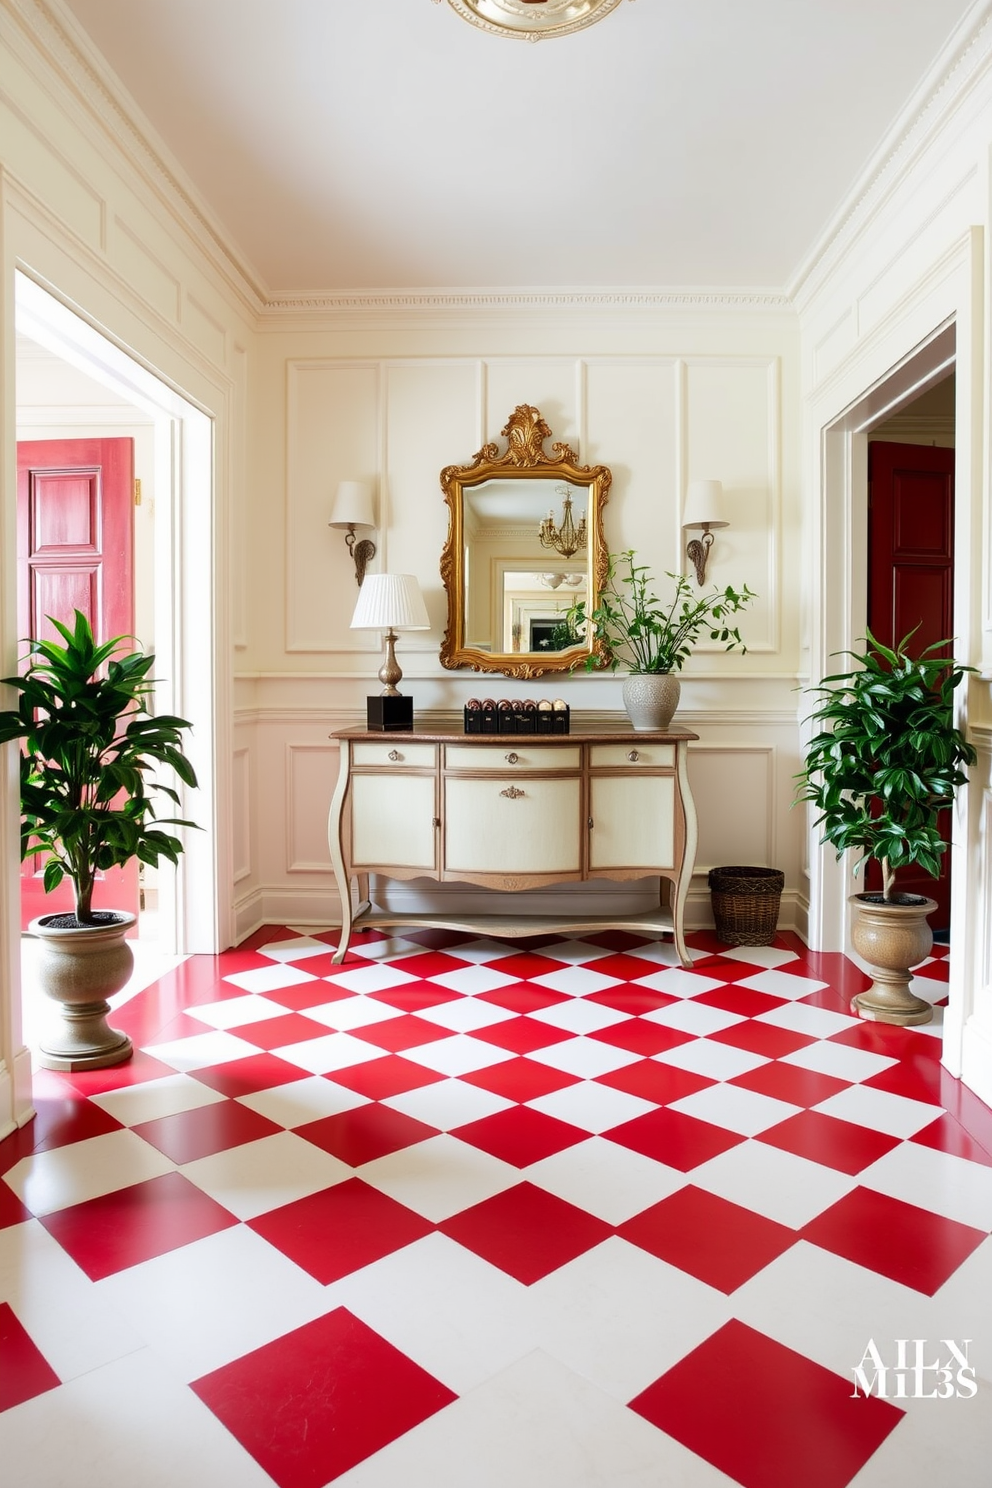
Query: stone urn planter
x,y
80,967
651,699
892,936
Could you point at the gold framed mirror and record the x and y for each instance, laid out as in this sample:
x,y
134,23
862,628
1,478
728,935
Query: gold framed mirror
x,y
525,542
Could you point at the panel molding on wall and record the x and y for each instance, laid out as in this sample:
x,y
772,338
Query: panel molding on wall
x,y
241,795
754,806
311,770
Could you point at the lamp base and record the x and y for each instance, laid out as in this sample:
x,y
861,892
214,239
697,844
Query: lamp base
x,y
390,713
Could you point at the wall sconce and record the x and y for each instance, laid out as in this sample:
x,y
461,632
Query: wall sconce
x,y
703,508
353,508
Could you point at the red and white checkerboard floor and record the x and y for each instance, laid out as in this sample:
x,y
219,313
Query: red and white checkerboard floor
x,y
464,1213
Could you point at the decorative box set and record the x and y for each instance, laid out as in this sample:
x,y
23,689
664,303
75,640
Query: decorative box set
x,y
513,716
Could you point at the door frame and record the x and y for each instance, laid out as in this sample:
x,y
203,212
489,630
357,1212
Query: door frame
x,y
192,915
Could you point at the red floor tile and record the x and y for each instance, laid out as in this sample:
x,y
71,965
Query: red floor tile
x,y
742,1000
431,963
639,1036
916,1077
625,998
136,1071
673,1138
12,1211
405,1032
24,1371
710,1238
188,1135
438,939
368,1132
521,1079
624,968
413,997
60,1120
340,1229
947,1135
246,1076
520,1136
825,1139
319,1400
522,1035
653,1081
789,1082
381,1078
765,1415
121,1229
618,940
522,997
913,1246
762,1038
526,1232
277,1033
306,995
525,965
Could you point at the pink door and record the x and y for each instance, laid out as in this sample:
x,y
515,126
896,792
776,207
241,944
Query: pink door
x,y
75,551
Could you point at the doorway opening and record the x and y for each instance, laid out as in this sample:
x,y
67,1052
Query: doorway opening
x,y
73,383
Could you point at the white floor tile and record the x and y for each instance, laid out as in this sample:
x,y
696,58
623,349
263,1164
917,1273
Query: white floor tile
x,y
576,952
210,1302
378,977
662,952
694,1017
706,1057
390,949
458,1055
948,1185
465,1015
768,956
786,1188
448,1103
300,948
579,1016
270,978
321,1056
605,1179
592,1106
800,1017
782,984
349,1013
677,982
576,981
471,980
621,1317
301,1101
258,1176
895,1114
237,1012
460,1318
479,951
586,1057
62,1176
128,1423
201,1050
151,1099
440,1177
737,1109
535,1425
839,1060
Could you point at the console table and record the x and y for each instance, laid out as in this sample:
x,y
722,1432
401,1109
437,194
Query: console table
x,y
512,812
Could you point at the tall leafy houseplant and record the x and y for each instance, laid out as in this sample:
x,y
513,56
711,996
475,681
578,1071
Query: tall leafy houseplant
x,y
882,765
90,756
654,638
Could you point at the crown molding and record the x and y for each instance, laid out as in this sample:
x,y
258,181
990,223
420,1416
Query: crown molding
x,y
421,303
955,75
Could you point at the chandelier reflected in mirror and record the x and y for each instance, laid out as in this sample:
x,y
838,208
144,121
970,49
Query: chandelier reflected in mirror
x,y
566,539
532,20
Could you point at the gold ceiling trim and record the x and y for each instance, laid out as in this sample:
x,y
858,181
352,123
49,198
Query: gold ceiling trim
x,y
532,20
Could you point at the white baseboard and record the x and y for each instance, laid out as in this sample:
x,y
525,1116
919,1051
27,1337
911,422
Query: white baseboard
x,y
976,1059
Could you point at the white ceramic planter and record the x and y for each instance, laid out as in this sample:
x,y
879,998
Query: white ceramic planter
x,y
651,699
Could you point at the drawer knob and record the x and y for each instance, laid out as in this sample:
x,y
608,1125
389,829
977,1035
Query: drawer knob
x,y
435,821
511,758
394,755
633,756
512,793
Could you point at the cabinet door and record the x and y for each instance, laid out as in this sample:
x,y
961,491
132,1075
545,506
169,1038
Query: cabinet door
x,y
633,820
392,822
512,826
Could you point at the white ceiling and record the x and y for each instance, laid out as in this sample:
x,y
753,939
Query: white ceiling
x,y
358,144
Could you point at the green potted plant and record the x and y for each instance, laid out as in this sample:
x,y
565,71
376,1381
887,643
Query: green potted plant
x,y
652,638
881,767
90,751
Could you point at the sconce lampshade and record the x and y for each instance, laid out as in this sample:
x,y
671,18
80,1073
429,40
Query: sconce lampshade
x,y
352,505
704,505
390,602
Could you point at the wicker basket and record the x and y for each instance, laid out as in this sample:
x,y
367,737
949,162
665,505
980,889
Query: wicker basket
x,y
745,904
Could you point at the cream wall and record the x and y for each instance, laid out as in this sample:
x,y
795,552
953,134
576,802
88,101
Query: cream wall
x,y
660,395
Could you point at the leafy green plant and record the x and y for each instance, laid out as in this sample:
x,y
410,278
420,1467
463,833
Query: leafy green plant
x,y
886,758
562,635
89,749
646,635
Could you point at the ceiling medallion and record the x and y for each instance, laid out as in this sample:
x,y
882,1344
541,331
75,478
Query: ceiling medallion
x,y
532,20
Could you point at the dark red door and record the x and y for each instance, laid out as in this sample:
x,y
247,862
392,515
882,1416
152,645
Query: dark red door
x,y
75,546
911,580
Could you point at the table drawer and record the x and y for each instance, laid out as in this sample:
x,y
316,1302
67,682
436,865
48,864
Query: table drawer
x,y
395,754
513,756
632,756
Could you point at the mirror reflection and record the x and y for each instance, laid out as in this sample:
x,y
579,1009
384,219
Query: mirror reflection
x,y
525,544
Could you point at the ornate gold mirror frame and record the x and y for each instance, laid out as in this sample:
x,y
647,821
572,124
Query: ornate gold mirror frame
x,y
497,506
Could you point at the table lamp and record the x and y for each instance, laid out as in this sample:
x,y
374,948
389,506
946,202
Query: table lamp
x,y
390,602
